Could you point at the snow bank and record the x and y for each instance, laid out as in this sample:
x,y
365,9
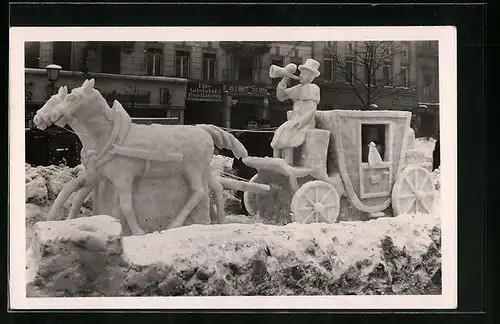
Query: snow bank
x,y
425,145
421,153
398,255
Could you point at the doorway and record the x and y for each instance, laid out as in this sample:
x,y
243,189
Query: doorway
x,y
241,113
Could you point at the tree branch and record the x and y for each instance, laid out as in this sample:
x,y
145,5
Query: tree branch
x,y
346,76
396,91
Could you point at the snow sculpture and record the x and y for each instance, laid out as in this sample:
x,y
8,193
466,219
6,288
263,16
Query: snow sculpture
x,y
305,97
125,151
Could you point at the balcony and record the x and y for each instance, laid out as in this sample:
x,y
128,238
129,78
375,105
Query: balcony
x,y
254,48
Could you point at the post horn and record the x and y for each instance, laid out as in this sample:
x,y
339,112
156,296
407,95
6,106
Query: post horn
x,y
286,72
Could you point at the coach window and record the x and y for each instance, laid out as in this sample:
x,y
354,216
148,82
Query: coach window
x,y
376,134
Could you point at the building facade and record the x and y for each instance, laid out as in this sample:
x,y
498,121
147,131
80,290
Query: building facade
x,y
227,83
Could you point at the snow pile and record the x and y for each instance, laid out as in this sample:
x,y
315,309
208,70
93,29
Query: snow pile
x,y
436,176
425,145
45,183
222,164
68,256
421,153
36,187
396,256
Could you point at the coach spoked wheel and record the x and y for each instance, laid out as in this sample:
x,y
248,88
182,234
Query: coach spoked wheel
x,y
249,199
314,202
413,192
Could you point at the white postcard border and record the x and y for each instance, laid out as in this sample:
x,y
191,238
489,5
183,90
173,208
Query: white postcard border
x,y
448,137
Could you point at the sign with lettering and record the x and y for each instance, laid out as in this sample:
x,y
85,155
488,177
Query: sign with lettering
x,y
137,97
253,90
204,92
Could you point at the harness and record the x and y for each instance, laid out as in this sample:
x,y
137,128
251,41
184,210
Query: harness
x,y
121,126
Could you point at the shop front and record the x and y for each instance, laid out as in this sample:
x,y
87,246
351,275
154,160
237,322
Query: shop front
x,y
256,102
141,96
204,103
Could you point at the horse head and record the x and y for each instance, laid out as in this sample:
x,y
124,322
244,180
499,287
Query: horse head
x,y
42,117
82,103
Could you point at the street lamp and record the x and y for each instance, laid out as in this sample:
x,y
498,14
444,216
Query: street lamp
x,y
53,71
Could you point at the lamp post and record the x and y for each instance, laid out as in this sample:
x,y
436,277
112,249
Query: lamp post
x,y
53,71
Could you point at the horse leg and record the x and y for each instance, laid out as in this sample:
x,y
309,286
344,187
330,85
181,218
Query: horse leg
x,y
68,188
194,178
124,188
217,188
78,201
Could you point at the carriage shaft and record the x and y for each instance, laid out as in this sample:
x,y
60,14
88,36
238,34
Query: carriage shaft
x,y
243,185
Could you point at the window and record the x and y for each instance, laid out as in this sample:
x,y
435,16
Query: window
x,y
209,66
349,68
245,69
165,96
350,47
154,62
32,55
111,58
62,55
376,134
277,51
297,53
386,74
182,64
405,80
328,69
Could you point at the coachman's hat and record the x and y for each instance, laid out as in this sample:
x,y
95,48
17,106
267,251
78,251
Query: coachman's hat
x,y
311,65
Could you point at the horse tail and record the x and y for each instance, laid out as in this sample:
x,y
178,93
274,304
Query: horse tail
x,y
225,140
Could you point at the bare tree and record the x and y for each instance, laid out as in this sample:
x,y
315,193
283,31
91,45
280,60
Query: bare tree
x,y
367,82
133,93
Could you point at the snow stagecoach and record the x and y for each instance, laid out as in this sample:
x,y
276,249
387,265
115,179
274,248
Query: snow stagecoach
x,y
351,166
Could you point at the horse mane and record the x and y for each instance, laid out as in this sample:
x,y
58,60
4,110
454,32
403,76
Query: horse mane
x,y
108,111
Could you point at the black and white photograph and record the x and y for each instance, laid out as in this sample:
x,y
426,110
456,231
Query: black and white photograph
x,y
295,168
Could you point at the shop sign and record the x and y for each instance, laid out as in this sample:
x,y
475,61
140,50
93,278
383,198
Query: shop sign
x,y
138,97
204,92
253,90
